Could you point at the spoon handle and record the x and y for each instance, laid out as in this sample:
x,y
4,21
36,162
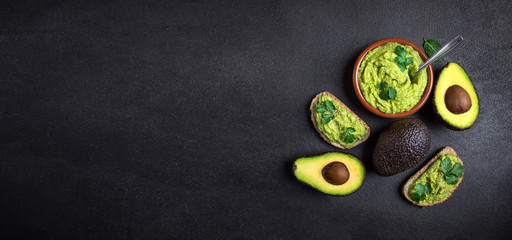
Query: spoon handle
x,y
443,51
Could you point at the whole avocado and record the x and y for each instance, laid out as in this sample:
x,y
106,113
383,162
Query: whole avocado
x,y
401,146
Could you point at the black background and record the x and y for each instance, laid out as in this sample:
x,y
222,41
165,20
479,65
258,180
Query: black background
x,y
176,120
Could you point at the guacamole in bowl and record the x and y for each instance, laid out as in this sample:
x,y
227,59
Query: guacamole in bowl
x,y
385,80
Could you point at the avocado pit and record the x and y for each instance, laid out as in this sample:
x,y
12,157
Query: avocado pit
x,y
336,173
457,99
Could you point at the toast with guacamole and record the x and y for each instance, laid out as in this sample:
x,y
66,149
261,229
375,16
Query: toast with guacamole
x,y
336,123
436,181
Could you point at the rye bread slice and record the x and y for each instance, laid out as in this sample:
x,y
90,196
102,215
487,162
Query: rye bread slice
x,y
336,144
406,187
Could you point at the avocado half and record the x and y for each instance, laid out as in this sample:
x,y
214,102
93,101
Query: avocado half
x,y
333,173
455,98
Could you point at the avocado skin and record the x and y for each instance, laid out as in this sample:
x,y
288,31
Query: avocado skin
x,y
446,123
401,146
294,167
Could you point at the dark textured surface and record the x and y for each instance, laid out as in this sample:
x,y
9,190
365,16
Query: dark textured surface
x,y
176,120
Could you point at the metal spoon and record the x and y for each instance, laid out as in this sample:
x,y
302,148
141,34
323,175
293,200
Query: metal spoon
x,y
443,51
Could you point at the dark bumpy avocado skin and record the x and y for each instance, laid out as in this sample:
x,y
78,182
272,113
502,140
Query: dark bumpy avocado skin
x,y
435,102
401,146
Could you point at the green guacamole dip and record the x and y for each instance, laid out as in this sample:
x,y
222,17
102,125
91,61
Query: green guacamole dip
x,y
379,65
435,176
342,120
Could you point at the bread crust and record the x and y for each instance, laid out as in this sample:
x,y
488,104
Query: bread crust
x,y
406,187
336,144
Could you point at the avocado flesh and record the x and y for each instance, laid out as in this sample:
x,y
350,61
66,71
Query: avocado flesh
x,y
453,74
309,171
401,146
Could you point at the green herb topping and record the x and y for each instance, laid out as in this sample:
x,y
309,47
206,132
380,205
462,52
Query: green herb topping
x,y
386,92
451,174
327,109
420,192
402,59
348,137
431,47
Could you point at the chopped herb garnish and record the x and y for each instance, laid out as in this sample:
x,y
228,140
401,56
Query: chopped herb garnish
x,y
348,137
402,59
451,174
420,192
386,92
327,109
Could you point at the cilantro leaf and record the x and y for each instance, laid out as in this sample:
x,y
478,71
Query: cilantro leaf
x,y
328,109
408,60
457,170
329,106
391,93
326,118
451,174
415,196
431,47
402,67
399,59
386,92
384,95
400,51
348,137
320,106
382,85
321,110
402,60
446,165
451,179
420,191
419,187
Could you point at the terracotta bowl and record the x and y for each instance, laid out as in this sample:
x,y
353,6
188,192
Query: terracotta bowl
x,y
426,94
